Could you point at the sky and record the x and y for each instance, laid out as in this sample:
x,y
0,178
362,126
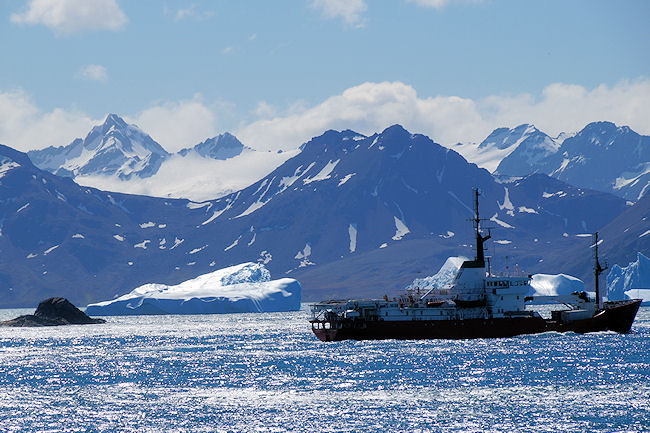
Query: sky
x,y
277,73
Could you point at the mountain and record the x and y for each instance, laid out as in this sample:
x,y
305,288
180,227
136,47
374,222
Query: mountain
x,y
622,239
601,156
527,146
116,156
339,214
60,238
223,146
349,215
112,148
504,141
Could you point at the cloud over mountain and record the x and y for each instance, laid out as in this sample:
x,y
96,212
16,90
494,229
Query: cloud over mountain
x,y
366,108
451,119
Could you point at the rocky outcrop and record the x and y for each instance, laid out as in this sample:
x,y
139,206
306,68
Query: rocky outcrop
x,y
53,312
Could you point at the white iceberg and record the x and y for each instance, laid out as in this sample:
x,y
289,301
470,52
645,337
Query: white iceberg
x,y
445,276
554,285
242,288
631,281
541,284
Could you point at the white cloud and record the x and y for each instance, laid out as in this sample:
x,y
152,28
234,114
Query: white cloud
x,y
73,16
227,50
439,4
176,125
93,73
195,177
24,126
367,108
371,107
264,110
350,10
192,12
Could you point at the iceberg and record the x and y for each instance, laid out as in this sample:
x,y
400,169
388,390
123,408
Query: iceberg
x,y
243,288
554,285
631,281
445,276
541,284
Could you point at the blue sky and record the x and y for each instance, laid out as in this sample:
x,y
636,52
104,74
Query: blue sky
x,y
239,65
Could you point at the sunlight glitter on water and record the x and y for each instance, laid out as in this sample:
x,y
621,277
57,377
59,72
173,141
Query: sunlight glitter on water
x,y
267,372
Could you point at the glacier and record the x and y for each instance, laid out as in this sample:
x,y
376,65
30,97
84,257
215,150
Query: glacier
x,y
631,281
243,288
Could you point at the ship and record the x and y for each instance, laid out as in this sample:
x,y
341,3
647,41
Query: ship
x,y
476,304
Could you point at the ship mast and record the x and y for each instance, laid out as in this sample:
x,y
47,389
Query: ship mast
x,y
480,239
598,269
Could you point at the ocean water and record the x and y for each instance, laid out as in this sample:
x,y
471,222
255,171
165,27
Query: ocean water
x,y
268,373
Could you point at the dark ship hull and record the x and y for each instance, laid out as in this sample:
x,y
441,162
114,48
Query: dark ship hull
x,y
616,316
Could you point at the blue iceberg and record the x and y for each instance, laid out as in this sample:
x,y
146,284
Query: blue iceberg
x,y
243,288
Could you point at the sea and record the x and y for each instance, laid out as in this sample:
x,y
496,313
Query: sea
x,y
267,372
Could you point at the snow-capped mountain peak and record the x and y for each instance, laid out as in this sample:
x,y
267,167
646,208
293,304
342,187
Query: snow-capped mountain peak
x,y
601,156
526,146
223,146
502,143
112,148
506,138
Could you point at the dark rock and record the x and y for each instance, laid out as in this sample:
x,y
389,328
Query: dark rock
x,y
53,312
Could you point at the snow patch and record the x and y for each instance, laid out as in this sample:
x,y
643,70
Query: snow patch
x,y
346,178
142,244
303,256
400,229
214,216
524,209
6,166
324,174
494,219
49,250
193,205
234,244
265,257
507,204
259,203
177,242
352,232
553,194
196,250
